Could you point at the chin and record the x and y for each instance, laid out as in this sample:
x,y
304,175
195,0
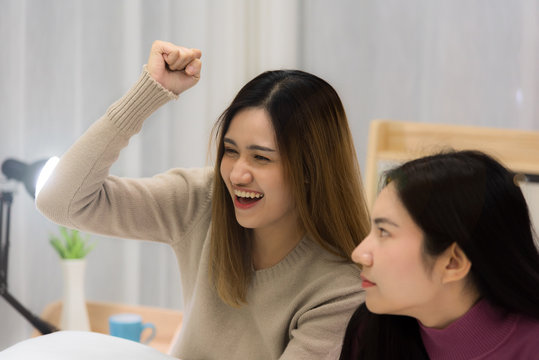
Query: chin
x,y
245,223
371,306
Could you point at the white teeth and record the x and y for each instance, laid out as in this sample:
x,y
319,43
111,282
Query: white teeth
x,y
247,194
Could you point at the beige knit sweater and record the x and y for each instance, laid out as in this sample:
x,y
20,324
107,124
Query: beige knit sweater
x,y
297,309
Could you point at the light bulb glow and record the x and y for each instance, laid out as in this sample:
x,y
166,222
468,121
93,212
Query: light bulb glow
x,y
45,173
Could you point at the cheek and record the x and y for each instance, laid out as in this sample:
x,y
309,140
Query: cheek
x,y
279,197
416,283
273,181
286,196
225,169
406,266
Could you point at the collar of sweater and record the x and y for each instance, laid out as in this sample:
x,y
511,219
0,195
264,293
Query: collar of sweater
x,y
301,250
479,331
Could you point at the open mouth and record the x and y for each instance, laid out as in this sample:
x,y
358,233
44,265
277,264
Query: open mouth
x,y
247,197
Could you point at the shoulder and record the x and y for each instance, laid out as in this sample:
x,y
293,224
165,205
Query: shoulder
x,y
326,277
312,293
324,264
325,294
524,342
312,275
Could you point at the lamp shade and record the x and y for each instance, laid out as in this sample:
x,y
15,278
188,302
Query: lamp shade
x,y
28,174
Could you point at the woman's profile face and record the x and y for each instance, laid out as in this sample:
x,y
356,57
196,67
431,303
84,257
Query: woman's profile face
x,y
395,277
252,170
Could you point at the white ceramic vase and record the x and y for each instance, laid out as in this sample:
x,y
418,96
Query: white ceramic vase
x,y
74,312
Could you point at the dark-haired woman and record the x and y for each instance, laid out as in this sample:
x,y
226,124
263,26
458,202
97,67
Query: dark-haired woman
x,y
450,267
265,267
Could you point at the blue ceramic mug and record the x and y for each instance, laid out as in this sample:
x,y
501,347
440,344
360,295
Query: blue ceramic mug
x,y
130,326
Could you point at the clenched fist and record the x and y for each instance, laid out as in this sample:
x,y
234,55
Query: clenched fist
x,y
175,67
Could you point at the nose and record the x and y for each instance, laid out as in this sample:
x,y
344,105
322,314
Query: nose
x,y
362,254
241,173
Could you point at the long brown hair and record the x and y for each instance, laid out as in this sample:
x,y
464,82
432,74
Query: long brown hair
x,y
319,161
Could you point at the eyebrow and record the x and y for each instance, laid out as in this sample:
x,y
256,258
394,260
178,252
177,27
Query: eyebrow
x,y
379,221
250,147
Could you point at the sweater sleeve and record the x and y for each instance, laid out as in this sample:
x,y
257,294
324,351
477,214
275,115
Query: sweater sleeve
x,y
81,194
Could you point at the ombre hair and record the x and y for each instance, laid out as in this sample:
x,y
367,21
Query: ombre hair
x,y
320,165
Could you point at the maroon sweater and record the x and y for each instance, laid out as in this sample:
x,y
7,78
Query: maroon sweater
x,y
484,332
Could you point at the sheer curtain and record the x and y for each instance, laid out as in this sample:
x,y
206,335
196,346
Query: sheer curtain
x,y
64,61
464,62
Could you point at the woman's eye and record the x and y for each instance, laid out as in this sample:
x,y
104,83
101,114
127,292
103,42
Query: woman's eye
x,y
382,232
230,151
261,158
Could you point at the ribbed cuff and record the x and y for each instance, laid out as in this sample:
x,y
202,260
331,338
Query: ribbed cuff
x,y
145,97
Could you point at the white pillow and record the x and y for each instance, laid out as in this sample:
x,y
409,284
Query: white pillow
x,y
81,345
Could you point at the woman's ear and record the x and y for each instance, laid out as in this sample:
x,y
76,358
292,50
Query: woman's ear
x,y
457,264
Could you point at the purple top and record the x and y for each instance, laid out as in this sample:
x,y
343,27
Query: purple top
x,y
484,332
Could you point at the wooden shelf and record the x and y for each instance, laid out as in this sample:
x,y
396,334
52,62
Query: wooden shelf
x,y
166,321
393,141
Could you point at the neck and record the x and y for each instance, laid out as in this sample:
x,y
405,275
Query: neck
x,y
270,246
448,307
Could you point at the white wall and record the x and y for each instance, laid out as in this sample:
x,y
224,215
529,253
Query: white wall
x,y
458,61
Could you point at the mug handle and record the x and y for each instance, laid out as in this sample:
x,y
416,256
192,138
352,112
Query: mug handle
x,y
152,334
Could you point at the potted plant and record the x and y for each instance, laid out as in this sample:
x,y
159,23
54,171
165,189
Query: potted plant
x,y
72,248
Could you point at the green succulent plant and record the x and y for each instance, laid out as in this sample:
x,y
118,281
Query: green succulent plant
x,y
70,244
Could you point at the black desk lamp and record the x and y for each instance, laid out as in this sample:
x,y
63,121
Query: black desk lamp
x,y
28,175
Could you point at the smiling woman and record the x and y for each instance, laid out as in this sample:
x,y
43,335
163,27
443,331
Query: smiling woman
x,y
263,240
450,267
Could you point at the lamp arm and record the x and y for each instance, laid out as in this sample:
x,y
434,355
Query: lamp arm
x,y
41,325
6,198
44,327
